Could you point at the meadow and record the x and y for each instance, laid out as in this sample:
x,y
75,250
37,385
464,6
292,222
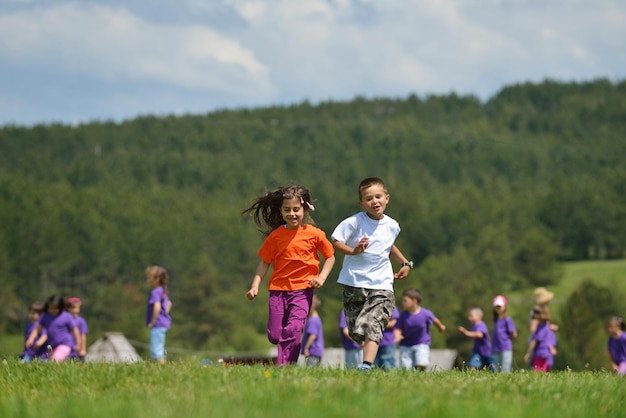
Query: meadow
x,y
188,389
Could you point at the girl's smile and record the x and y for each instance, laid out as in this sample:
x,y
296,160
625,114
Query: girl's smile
x,y
292,212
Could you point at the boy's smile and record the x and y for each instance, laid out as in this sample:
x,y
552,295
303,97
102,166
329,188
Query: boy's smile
x,y
374,200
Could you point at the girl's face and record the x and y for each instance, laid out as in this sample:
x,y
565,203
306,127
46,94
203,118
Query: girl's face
x,y
54,310
614,329
499,309
153,282
293,212
74,309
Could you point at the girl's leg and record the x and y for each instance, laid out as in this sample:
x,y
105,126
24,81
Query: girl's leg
x,y
507,361
157,344
540,364
298,304
60,353
499,359
276,316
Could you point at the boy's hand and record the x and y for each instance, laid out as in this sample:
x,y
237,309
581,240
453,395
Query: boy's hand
x,y
403,273
463,330
361,246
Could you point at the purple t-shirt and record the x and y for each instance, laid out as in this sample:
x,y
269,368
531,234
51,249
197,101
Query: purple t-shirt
x,y
314,327
551,342
482,346
415,328
617,348
348,344
388,332
59,329
545,338
502,330
163,319
32,352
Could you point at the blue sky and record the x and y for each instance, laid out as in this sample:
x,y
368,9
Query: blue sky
x,y
80,61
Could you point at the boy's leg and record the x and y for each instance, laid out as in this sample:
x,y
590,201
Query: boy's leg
x,y
406,357
422,354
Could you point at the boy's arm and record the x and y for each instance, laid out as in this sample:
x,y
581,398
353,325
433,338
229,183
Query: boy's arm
x,y
397,335
261,270
83,345
439,324
76,335
33,334
343,248
396,255
471,334
319,281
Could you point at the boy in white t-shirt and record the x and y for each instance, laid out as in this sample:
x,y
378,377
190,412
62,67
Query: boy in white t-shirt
x,y
367,241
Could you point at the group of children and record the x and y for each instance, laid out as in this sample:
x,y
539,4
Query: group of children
x,y
371,325
369,322
56,331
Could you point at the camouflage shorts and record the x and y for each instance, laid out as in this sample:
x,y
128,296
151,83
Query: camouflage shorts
x,y
367,312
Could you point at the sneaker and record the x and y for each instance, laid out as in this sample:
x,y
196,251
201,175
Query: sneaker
x,y
365,368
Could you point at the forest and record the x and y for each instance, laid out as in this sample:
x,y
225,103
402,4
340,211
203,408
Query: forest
x,y
490,195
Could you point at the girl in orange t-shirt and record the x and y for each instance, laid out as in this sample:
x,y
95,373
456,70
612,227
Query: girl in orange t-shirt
x,y
292,245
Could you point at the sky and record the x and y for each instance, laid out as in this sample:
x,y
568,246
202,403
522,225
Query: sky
x,y
75,62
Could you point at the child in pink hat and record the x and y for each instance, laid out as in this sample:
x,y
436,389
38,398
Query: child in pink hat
x,y
504,333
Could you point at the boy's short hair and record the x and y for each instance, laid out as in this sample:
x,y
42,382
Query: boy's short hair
x,y
477,310
413,294
36,307
370,181
316,302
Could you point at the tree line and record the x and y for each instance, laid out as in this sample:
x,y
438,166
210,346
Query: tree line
x,y
489,195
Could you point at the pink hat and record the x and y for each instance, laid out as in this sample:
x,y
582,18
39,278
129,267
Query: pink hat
x,y
72,301
499,301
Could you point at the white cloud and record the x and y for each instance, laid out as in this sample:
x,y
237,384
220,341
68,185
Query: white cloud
x,y
113,44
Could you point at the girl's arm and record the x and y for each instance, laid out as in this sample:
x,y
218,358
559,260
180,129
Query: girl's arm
x,y
33,334
82,352
439,325
614,365
396,255
168,306
261,270
308,344
531,348
76,335
317,282
41,341
156,308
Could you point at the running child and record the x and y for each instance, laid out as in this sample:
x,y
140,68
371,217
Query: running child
x,y
412,331
542,345
617,344
481,351
291,245
367,241
73,307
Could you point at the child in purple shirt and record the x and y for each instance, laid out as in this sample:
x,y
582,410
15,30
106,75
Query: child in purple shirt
x,y
481,351
504,333
29,354
386,356
60,326
73,307
412,331
542,345
313,336
158,318
617,344
353,356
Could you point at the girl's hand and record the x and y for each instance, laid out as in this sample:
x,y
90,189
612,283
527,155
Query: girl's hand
x,y
252,293
527,357
317,282
361,246
28,343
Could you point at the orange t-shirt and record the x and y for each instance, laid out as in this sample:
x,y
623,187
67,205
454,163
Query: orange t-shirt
x,y
294,254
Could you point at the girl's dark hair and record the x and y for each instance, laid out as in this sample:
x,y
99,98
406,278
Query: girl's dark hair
x,y
619,321
265,209
55,300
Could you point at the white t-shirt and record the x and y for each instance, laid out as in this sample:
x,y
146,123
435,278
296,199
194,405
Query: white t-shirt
x,y
372,268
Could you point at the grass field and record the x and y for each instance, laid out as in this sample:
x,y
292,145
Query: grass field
x,y
187,389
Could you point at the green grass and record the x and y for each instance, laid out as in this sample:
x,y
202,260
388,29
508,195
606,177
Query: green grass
x,y
608,273
187,389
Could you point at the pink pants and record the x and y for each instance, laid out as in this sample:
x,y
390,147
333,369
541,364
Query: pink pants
x,y
621,368
540,364
60,353
288,312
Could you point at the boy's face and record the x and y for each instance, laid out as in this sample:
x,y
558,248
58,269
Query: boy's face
x,y
613,328
293,212
374,200
33,316
408,303
474,317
